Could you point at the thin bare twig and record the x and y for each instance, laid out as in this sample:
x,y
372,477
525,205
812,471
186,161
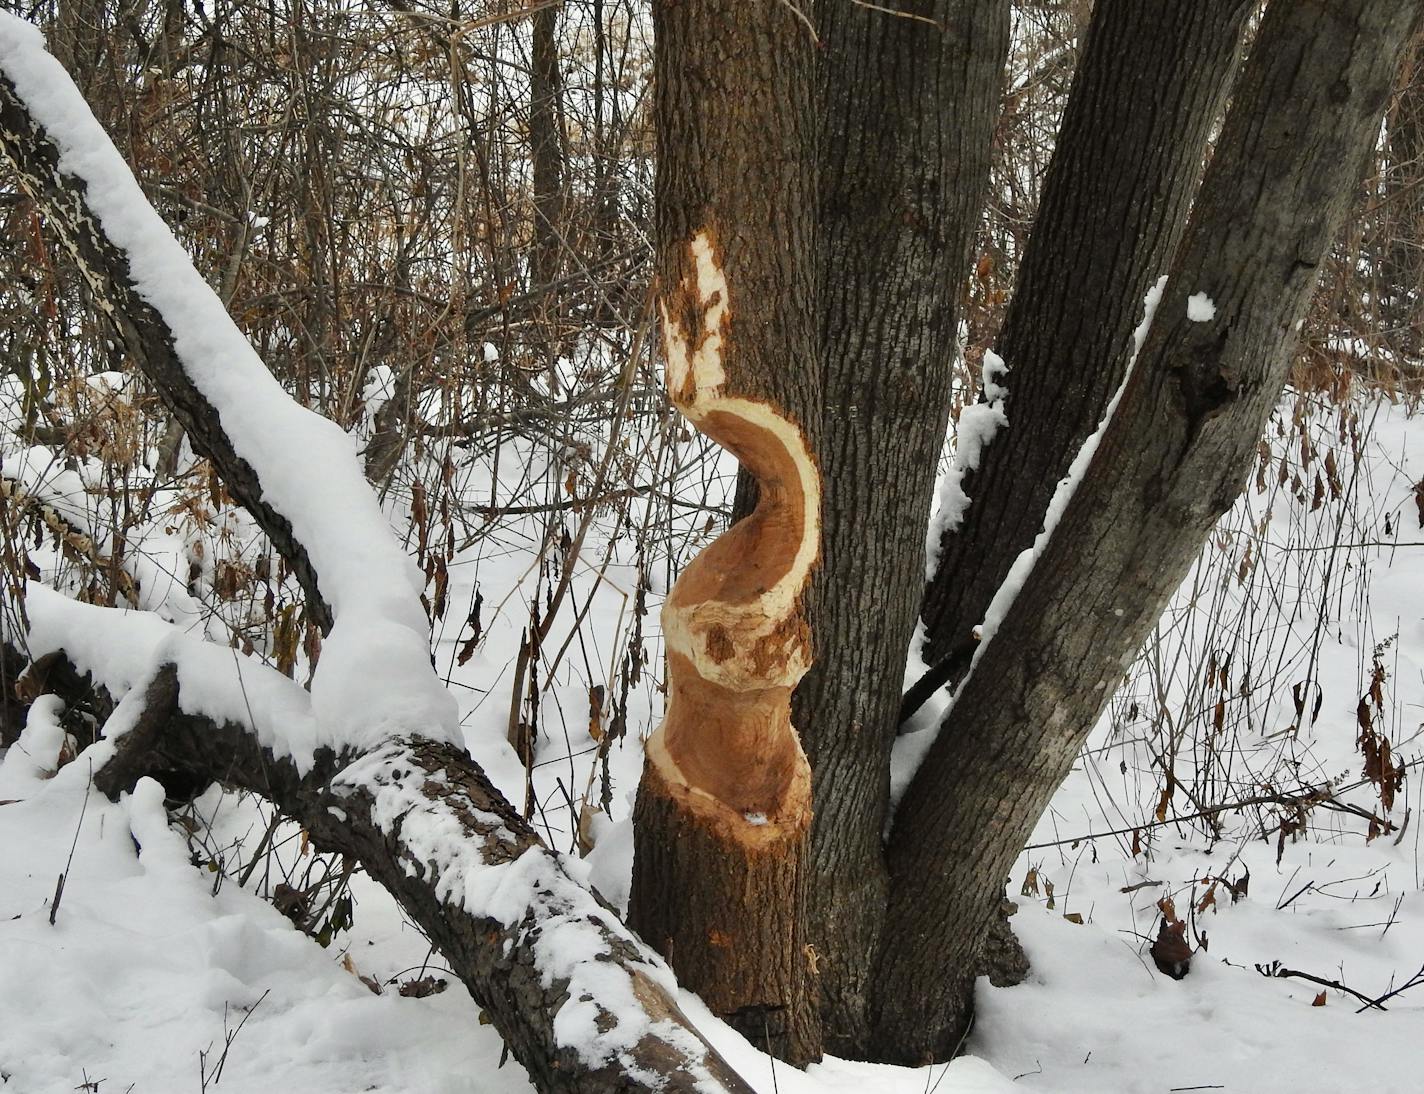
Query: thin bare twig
x,y
900,14
804,18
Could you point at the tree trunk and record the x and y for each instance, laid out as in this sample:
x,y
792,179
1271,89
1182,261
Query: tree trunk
x,y
1114,205
724,808
907,106
546,147
1172,459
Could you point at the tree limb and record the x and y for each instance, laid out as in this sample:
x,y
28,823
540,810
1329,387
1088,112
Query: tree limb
x,y
583,1005
379,808
541,954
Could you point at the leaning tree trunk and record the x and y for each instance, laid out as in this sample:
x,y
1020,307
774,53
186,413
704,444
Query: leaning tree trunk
x,y
592,1013
1172,459
907,109
724,808
1149,86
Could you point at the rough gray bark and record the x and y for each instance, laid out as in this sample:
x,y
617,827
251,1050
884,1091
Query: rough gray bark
x,y
546,146
1173,459
907,108
1150,84
142,331
734,114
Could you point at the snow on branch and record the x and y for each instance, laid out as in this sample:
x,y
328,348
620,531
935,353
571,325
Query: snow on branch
x,y
911,748
582,1003
297,473
370,761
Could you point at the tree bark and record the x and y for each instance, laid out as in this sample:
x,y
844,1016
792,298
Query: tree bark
x,y
724,808
546,147
1150,84
1173,458
907,106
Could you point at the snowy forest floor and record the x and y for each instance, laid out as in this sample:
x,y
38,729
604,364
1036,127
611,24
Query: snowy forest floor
x,y
166,966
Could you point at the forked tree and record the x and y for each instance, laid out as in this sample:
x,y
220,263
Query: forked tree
x,y
822,169
832,170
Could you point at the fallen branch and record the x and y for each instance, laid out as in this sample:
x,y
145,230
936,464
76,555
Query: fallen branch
x,y
1277,971
369,763
1413,982
580,1001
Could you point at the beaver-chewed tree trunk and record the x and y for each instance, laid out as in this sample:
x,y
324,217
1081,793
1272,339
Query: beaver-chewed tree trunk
x,y
724,809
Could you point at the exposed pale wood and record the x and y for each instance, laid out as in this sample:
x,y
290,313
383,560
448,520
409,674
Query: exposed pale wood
x,y
724,809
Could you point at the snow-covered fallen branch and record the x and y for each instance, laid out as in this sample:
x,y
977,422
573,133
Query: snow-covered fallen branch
x,y
581,1002
370,762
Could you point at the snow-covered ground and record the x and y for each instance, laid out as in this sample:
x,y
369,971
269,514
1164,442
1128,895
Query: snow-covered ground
x,y
157,972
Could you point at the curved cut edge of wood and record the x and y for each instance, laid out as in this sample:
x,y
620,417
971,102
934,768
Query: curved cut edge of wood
x,y
736,637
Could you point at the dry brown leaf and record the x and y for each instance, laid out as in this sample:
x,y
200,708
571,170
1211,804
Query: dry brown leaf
x,y
426,985
1172,953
